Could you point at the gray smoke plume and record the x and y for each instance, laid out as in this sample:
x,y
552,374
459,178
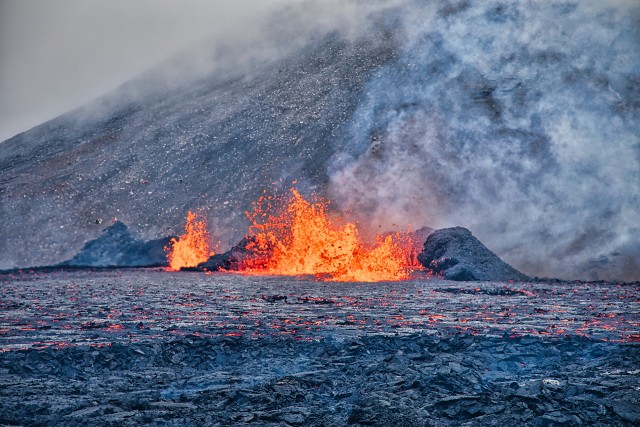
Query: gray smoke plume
x,y
518,120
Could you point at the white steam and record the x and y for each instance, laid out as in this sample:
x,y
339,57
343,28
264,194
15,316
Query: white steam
x,y
519,121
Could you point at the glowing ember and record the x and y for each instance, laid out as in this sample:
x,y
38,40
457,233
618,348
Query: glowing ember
x,y
303,239
409,246
193,247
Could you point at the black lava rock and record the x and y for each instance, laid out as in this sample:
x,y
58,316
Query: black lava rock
x,y
230,260
456,254
116,247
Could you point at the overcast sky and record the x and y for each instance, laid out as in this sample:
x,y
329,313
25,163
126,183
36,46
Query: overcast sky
x,y
56,55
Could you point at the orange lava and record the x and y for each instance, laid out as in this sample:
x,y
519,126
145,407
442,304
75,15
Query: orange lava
x,y
303,239
193,247
409,247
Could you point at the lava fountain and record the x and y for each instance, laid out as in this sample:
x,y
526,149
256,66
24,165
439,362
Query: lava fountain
x,y
302,238
191,248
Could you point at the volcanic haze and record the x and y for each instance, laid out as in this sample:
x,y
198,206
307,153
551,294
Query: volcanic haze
x,y
518,121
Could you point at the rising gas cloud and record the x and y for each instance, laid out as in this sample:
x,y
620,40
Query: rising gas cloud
x,y
518,120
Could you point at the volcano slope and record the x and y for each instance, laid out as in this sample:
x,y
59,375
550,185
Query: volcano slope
x,y
132,347
212,143
517,121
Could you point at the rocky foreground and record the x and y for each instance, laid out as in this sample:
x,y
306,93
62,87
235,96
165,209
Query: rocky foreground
x,y
127,347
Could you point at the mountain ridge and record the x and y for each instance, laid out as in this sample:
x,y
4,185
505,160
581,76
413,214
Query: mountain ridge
x,y
519,123
82,157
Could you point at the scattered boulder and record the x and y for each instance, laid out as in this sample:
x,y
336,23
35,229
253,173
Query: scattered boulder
x,y
230,260
116,247
456,254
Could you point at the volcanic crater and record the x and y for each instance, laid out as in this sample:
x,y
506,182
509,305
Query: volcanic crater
x,y
215,250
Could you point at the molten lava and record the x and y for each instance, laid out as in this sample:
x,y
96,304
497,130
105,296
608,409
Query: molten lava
x,y
304,239
193,247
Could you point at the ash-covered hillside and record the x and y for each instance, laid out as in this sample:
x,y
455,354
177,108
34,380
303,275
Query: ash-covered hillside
x,y
214,143
518,121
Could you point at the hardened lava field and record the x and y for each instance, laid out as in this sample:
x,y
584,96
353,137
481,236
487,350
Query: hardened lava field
x,y
128,347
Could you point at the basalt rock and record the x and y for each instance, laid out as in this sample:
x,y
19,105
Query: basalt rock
x,y
116,247
144,348
456,254
230,260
